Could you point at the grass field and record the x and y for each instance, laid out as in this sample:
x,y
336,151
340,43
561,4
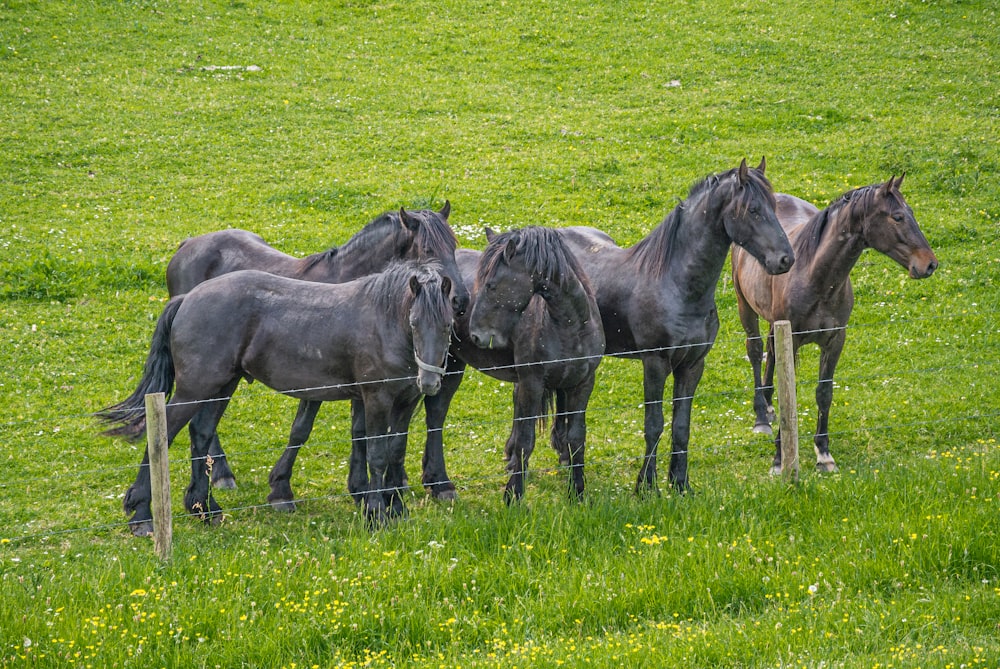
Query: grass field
x,y
127,126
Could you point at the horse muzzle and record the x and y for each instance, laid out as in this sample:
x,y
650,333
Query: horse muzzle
x,y
922,264
488,340
429,377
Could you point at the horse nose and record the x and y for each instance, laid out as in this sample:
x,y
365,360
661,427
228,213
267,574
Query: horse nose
x,y
476,339
431,388
460,303
785,263
917,272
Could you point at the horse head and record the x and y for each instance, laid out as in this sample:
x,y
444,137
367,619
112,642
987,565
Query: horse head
x,y
749,218
427,235
889,226
503,288
431,319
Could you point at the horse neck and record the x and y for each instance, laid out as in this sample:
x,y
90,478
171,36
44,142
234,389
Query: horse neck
x,y
365,253
696,246
841,242
570,304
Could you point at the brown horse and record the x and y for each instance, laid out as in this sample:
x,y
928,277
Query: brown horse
x,y
816,295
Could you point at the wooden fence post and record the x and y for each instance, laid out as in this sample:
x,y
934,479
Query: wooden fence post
x,y
788,426
159,474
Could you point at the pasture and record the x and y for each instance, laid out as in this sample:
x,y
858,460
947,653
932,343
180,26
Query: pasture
x,y
128,126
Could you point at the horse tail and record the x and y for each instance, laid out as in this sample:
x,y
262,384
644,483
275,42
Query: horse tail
x,y
157,377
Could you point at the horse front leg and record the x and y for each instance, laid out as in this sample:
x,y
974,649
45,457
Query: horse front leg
x,y
654,377
395,480
529,400
575,420
755,353
357,473
382,457
686,381
435,476
139,495
281,496
824,399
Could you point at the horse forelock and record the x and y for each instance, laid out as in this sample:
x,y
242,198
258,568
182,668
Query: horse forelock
x,y
390,289
434,234
543,253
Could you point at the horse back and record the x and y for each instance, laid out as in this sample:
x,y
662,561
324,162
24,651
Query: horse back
x,y
793,212
286,333
216,253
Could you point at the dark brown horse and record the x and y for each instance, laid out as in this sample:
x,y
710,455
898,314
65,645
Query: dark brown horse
x,y
657,298
414,235
816,295
382,338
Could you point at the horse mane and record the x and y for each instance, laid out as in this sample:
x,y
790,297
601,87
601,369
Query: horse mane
x,y
390,289
544,253
652,252
807,244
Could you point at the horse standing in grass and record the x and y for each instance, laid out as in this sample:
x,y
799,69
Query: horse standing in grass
x,y
657,298
414,235
366,339
816,295
535,323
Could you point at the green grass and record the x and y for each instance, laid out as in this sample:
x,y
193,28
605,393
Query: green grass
x,y
121,137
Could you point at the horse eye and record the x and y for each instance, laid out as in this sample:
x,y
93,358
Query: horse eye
x,y
897,217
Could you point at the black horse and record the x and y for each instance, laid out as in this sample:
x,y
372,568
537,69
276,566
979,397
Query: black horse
x,y
657,298
366,339
414,235
534,322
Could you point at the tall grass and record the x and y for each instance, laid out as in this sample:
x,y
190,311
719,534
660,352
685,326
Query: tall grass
x,y
129,126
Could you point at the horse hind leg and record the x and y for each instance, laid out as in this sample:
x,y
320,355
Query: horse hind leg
x,y
139,495
198,499
222,475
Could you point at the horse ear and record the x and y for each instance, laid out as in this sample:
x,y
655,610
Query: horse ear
x,y
445,210
510,250
886,188
490,234
407,221
415,286
899,181
742,172
763,165
446,285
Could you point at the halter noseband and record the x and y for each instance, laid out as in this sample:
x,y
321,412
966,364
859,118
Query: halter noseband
x,y
428,367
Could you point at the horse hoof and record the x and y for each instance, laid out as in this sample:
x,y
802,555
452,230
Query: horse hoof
x,y
763,428
224,483
827,467
775,470
143,528
445,495
283,505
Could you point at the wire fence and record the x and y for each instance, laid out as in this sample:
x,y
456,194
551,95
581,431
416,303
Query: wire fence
x,y
598,412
